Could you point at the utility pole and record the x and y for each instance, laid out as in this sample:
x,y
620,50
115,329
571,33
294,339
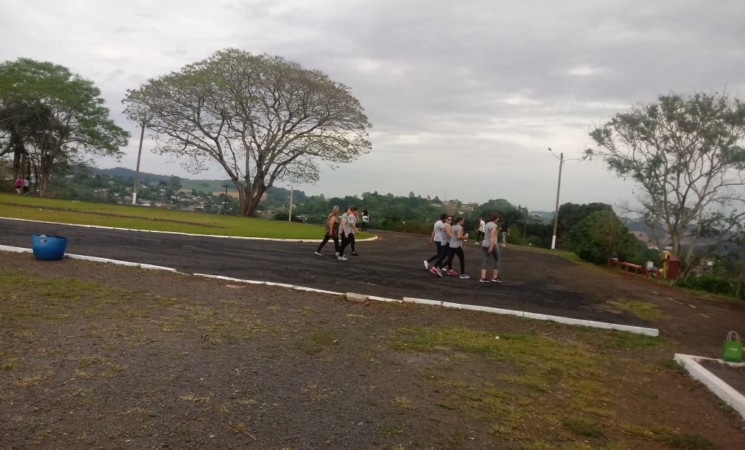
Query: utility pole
x,y
558,190
225,203
137,170
289,216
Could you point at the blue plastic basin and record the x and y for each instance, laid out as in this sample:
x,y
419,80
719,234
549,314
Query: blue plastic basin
x,y
48,248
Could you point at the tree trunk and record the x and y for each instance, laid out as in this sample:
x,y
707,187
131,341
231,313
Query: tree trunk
x,y
250,196
42,181
249,199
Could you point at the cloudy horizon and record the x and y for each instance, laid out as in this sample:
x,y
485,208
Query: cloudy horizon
x,y
465,97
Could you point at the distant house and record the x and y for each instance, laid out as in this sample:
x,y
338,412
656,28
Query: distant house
x,y
234,194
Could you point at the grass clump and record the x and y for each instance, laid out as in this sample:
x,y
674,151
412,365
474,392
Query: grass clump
x,y
642,310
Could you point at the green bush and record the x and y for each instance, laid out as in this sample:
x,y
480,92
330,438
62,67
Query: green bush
x,y
600,236
715,284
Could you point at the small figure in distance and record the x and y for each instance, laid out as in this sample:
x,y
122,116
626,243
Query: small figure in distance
x,y
365,218
19,185
480,233
352,224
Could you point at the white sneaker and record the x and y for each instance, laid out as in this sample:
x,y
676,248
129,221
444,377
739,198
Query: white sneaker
x,y
318,253
341,258
426,265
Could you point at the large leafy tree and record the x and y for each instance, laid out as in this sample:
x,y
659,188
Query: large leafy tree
x,y
51,118
261,118
687,155
570,214
601,235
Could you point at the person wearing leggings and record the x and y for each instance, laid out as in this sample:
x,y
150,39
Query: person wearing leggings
x,y
331,232
457,237
437,237
490,250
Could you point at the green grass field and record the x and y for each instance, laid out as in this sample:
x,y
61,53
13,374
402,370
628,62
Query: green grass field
x,y
146,218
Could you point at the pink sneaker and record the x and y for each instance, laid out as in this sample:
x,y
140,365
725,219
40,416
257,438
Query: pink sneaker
x,y
452,272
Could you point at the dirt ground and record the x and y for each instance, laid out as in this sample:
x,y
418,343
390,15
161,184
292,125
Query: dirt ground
x,y
130,358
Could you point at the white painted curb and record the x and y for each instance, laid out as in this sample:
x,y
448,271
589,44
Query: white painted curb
x,y
7,248
721,389
356,298
594,324
118,262
374,237
362,298
423,301
384,299
318,291
559,319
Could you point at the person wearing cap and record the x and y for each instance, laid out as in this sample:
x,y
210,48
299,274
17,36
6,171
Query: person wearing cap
x,y
332,231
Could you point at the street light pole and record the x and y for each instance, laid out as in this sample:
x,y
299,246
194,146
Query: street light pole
x,y
558,190
289,216
225,203
137,170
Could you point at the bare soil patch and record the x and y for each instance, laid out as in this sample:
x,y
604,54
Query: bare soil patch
x,y
102,356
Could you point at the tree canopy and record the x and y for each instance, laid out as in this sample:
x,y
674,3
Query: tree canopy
x,y
51,118
601,235
260,118
687,155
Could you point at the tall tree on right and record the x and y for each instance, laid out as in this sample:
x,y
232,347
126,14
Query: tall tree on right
x,y
687,155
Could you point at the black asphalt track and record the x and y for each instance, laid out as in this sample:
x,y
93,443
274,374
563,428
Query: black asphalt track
x,y
390,266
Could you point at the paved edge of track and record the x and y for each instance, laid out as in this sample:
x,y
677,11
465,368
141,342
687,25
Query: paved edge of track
x,y
362,298
374,237
721,389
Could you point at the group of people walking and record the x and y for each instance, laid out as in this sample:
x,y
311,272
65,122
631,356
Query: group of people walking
x,y
448,237
344,226
22,185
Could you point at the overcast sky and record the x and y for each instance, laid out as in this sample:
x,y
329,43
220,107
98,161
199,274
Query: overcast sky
x,y
465,97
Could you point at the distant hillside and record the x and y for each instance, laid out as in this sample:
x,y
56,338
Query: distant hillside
x,y
206,186
121,172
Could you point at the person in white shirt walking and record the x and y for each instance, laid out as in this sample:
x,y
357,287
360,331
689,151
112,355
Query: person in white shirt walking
x,y
347,228
480,234
439,238
457,237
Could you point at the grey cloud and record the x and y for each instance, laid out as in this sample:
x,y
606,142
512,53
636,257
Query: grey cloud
x,y
467,93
